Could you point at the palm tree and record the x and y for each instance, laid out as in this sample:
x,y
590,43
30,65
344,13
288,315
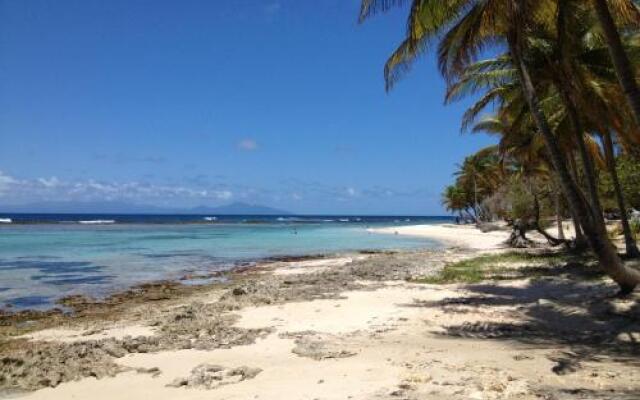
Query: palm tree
x,y
465,28
481,174
501,81
454,199
624,69
585,85
597,96
629,241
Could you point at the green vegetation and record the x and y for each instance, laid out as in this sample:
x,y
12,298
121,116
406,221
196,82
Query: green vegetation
x,y
628,170
512,265
635,228
559,85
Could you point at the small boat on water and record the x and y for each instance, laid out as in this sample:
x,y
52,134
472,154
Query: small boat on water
x,y
6,221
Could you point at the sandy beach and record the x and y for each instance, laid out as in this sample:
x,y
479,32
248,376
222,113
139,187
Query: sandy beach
x,y
453,235
357,326
468,236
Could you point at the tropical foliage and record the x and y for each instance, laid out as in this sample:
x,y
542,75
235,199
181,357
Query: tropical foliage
x,y
555,82
628,171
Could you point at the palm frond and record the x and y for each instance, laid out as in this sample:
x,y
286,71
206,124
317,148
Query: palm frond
x,y
369,8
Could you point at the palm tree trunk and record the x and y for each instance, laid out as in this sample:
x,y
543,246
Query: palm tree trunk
x,y
475,198
563,78
536,223
581,242
471,215
621,62
627,278
559,216
578,132
629,242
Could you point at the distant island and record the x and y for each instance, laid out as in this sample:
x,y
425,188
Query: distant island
x,y
115,207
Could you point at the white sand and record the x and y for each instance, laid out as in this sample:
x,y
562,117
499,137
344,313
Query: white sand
x,y
396,344
468,236
452,235
377,366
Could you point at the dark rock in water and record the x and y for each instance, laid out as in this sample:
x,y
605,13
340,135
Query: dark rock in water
x,y
28,302
77,302
295,258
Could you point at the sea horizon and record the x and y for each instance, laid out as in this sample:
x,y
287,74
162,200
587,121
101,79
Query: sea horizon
x,y
161,218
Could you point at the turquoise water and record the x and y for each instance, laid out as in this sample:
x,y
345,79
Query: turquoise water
x,y
41,263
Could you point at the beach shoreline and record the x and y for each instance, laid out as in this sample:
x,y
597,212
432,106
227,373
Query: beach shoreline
x,y
467,236
360,326
438,233
42,263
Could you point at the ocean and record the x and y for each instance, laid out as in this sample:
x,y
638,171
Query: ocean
x,y
44,257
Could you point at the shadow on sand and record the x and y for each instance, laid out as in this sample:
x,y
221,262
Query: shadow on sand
x,y
560,308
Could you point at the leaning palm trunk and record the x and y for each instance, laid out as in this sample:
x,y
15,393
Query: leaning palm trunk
x,y
563,82
559,216
596,234
536,223
621,62
518,238
580,242
587,161
630,244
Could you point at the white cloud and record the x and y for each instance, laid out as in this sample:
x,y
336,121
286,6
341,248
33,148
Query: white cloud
x,y
224,194
5,182
50,183
207,190
247,144
14,191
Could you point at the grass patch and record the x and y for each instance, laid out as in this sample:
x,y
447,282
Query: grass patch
x,y
492,267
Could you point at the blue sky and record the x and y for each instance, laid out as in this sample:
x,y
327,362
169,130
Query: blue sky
x,y
184,103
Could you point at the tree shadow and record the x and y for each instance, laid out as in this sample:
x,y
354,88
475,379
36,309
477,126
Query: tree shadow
x,y
564,310
580,321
